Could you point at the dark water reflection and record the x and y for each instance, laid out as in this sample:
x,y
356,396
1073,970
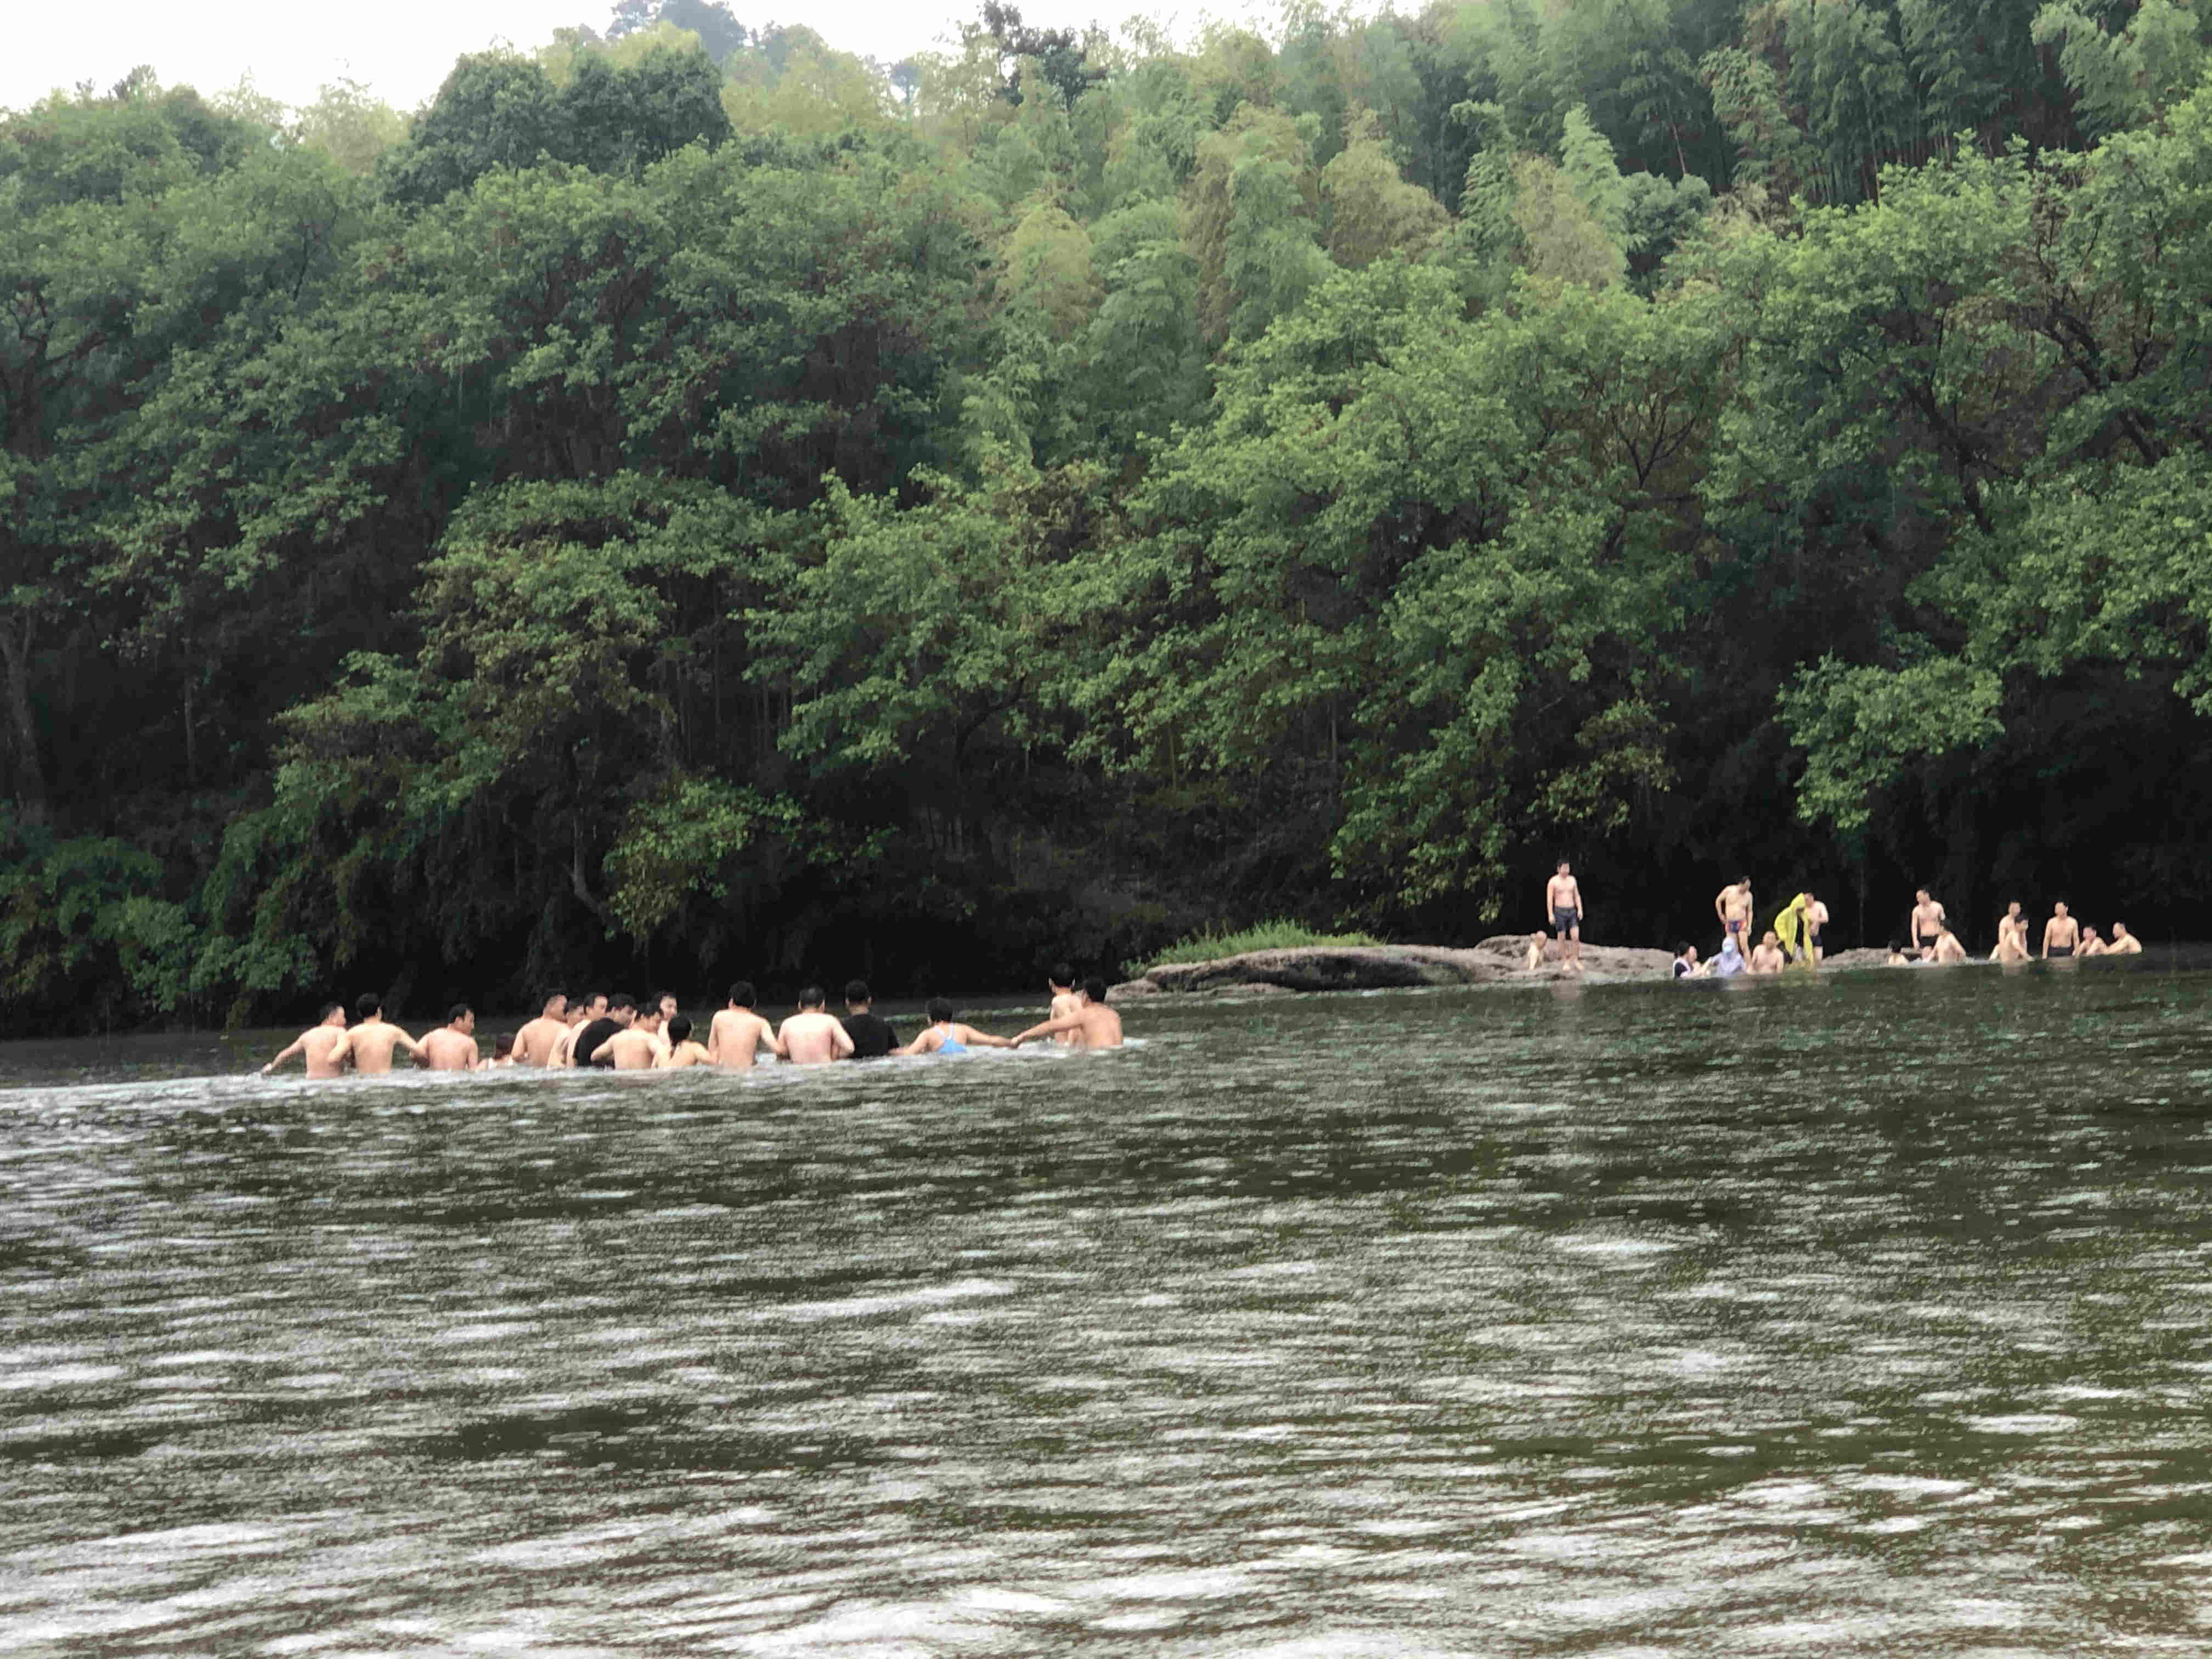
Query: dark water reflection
x,y
1864,1317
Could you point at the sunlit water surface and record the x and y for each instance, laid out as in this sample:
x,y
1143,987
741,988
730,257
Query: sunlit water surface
x,y
1865,1316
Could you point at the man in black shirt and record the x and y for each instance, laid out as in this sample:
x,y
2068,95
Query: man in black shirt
x,y
589,1041
872,1038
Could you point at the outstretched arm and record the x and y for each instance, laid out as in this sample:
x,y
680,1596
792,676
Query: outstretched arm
x,y
1046,1029
299,1046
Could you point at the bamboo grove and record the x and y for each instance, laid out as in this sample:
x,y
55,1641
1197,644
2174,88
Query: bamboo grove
x,y
693,499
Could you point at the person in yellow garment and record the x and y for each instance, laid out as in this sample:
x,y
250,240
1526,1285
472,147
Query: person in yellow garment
x,y
1794,927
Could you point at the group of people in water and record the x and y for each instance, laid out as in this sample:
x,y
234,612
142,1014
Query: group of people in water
x,y
618,1035
1794,938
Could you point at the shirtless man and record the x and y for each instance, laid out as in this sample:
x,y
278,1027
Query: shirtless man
x,y
1733,906
683,1053
373,1039
2091,944
1947,949
1768,958
1066,1000
945,1034
811,1037
1563,902
1093,1025
2060,934
2012,936
581,1012
1816,918
1927,922
737,1034
324,1044
535,1042
2123,944
453,1046
636,1047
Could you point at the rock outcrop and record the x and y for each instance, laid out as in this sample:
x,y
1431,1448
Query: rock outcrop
x,y
1387,967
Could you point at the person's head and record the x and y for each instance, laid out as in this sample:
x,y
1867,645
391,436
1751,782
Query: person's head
x,y
2119,930
2088,930
333,1014
579,1011
595,1004
1563,867
2013,910
1094,989
461,1018
557,1005
1897,947
742,994
622,1010
858,996
1730,948
369,1004
812,997
1744,881
649,1019
941,1010
1060,977
666,1003
679,1029
1772,938
502,1046
1687,950
1920,895
2059,908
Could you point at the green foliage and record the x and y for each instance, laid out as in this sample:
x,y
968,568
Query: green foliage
x,y
84,932
1212,945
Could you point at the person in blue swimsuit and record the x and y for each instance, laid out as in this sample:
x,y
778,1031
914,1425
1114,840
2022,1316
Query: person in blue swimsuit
x,y
946,1036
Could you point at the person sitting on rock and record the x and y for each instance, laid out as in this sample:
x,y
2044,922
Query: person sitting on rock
x,y
1767,956
1535,958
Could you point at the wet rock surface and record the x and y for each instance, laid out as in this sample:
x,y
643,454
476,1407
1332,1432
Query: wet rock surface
x,y
1389,967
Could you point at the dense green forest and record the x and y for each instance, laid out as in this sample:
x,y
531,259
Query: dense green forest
x,y
694,500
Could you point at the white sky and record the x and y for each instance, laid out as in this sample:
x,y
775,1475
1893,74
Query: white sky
x,y
401,48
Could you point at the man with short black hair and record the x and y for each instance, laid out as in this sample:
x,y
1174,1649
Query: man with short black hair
x,y
811,1037
593,1037
453,1046
739,1034
535,1042
324,1044
591,1005
372,1038
872,1037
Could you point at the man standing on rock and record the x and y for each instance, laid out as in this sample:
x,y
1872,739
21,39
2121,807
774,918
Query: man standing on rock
x,y
1734,907
1927,922
1563,902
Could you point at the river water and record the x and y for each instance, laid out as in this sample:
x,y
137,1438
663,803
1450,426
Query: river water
x,y
1870,1315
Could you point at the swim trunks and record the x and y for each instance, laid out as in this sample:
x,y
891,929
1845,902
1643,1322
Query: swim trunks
x,y
1565,920
1737,924
2061,951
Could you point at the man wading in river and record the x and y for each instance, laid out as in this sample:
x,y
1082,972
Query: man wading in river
x,y
535,1042
374,1039
324,1044
453,1046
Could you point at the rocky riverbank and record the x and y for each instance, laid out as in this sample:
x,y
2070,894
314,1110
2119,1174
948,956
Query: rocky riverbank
x,y
1389,967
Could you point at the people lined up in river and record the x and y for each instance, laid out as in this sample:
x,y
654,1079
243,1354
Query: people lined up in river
x,y
594,1030
1563,902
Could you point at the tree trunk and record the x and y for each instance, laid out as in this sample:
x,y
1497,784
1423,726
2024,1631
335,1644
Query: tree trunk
x,y
30,775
